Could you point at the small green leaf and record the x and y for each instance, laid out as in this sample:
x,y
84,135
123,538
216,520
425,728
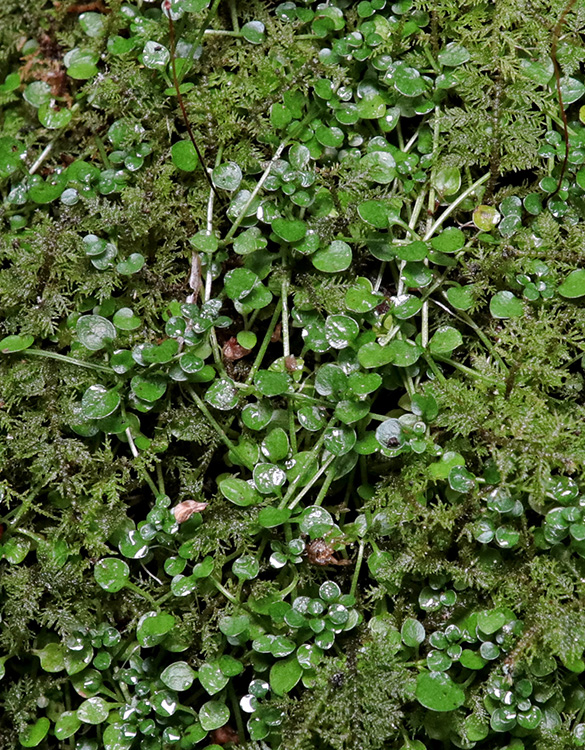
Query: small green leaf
x,y
284,675
212,678
66,725
485,218
333,259
379,166
269,518
131,265
461,480
178,676
437,692
112,574
95,331
35,733
412,632
184,156
453,55
152,627
155,55
445,340
149,388
449,240
461,297
505,305
11,344
222,394
98,402
574,285
239,492
213,715
227,176
289,230
126,320
253,32
93,711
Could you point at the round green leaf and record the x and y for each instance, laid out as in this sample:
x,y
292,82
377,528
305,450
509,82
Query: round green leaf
x,y
212,678
506,305
445,340
178,676
10,344
94,331
93,711
131,265
453,55
269,518
213,715
98,402
284,675
333,259
66,725
437,692
222,394
184,156
35,733
246,567
112,574
449,241
51,657
239,492
289,230
461,297
227,176
53,119
253,32
485,218
149,388
574,285
125,320
379,166
412,632
155,55
152,627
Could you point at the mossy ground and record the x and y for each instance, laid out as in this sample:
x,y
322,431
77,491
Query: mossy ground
x,y
292,456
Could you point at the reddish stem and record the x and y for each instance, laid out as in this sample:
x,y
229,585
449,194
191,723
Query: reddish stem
x,y
167,8
553,54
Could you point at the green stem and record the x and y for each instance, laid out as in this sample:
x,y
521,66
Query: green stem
x,y
469,371
356,572
236,711
448,211
144,594
314,453
266,342
218,428
325,488
69,360
308,486
230,597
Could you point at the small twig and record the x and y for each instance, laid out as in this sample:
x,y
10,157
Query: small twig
x,y
557,68
43,155
173,45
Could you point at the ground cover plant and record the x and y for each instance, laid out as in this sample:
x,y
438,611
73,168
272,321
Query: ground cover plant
x,y
291,382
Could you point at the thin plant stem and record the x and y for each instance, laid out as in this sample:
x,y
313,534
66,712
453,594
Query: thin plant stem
x,y
173,46
256,190
41,158
448,211
266,342
69,360
285,328
469,371
356,573
325,488
308,486
218,428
